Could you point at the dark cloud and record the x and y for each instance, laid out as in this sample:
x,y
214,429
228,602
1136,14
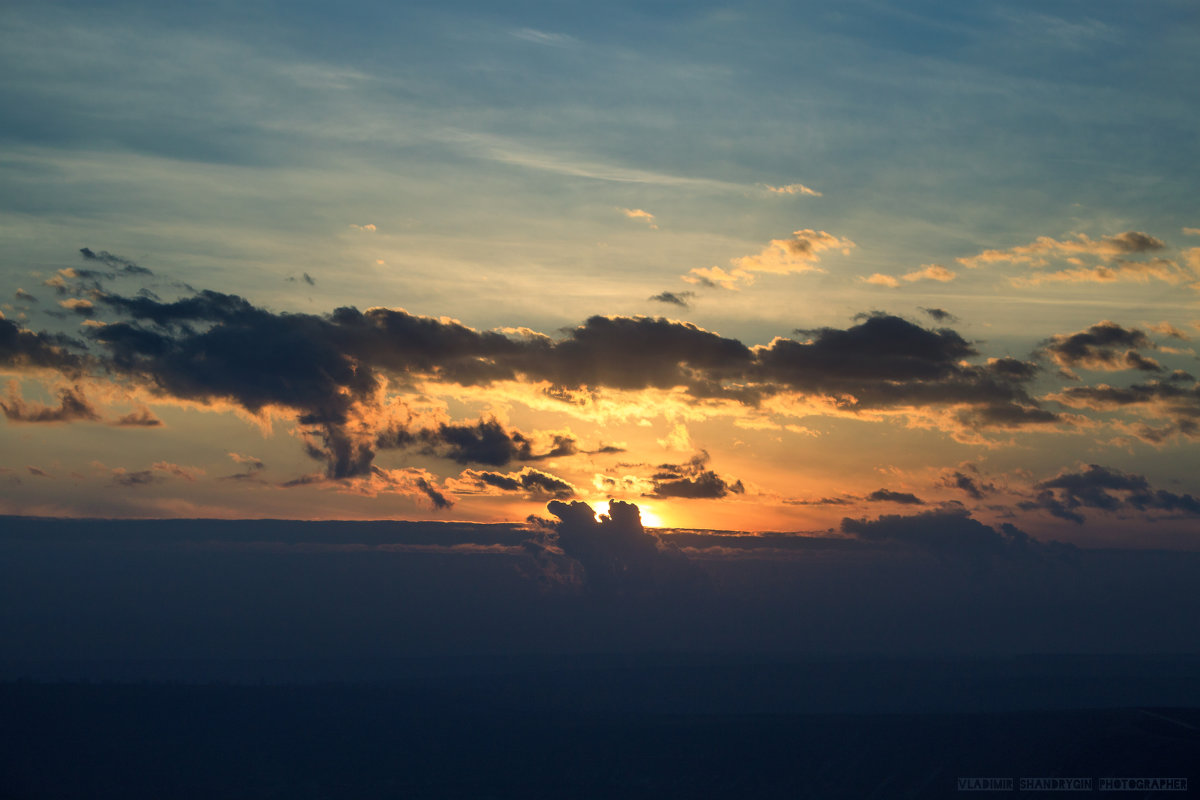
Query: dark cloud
x,y
143,477
1135,242
940,315
691,481
141,417
1109,490
951,531
1104,346
309,279
72,405
973,488
23,348
435,496
532,482
212,347
824,501
681,299
885,361
21,294
1172,399
888,496
251,467
617,554
114,262
38,472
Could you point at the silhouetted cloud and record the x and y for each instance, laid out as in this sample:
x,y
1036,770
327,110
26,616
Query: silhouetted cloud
x,y
940,315
617,554
114,262
529,481
951,531
680,299
973,488
1172,399
691,481
888,496
21,294
20,347
141,417
1109,490
1104,346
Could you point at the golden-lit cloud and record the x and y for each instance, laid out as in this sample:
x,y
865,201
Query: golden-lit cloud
x,y
791,188
927,272
639,214
1038,252
368,228
798,254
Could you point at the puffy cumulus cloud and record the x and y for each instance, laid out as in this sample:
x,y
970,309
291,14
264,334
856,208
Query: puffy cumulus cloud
x,y
639,214
889,496
1104,346
1040,251
618,556
1175,399
681,299
530,482
798,254
692,481
1107,490
927,272
791,189
948,531
72,405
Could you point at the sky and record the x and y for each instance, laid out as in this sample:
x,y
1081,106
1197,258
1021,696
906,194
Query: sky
x,y
851,270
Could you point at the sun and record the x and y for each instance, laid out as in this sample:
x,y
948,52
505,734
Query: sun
x,y
650,518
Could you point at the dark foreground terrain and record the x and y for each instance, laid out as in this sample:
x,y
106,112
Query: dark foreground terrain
x,y
598,730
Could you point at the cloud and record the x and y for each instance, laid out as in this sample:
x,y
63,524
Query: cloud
x,y
973,488
22,348
888,496
639,214
21,294
927,272
780,257
1192,231
691,481
617,555
141,417
940,315
1038,252
1108,490
368,228
545,37
950,531
791,188
38,472
84,308
680,299
116,264
72,406
251,467
1104,346
1173,399
1162,269
531,482
1169,330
